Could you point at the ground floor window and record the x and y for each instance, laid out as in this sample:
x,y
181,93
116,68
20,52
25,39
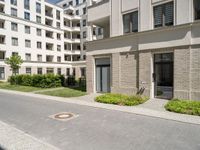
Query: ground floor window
x,y
68,71
39,71
83,72
2,73
74,72
59,72
28,70
50,71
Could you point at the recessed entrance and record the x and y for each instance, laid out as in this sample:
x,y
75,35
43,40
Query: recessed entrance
x,y
163,75
103,75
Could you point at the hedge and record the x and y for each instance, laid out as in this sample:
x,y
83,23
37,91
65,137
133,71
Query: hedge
x,y
42,81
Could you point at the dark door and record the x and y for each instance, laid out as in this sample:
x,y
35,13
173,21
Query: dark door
x,y
163,75
103,75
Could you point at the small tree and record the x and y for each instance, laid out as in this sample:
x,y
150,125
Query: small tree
x,y
14,62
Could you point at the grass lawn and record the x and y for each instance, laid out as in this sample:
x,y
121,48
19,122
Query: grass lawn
x,y
184,107
119,99
8,86
65,92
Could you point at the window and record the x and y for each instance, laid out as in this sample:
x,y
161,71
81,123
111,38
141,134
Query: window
x,y
2,55
39,70
57,14
26,15
84,34
77,12
100,31
50,71
84,10
28,57
38,8
39,58
13,12
2,73
74,72
164,15
28,70
14,41
27,30
59,71
83,72
77,2
2,39
13,2
27,4
84,23
39,45
68,71
38,19
58,25
196,9
27,43
14,53
39,32
71,3
58,36
58,59
58,47
130,22
14,26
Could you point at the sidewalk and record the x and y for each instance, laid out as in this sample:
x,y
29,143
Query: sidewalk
x,y
152,108
14,139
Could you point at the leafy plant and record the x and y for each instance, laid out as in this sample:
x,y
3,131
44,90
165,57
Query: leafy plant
x,y
14,62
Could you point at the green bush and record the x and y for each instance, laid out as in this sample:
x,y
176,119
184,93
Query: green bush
x,y
120,99
184,107
43,81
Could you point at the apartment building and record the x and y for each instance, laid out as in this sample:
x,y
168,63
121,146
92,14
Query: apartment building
x,y
150,47
46,36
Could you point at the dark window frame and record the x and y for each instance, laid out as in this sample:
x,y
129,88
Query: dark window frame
x,y
133,24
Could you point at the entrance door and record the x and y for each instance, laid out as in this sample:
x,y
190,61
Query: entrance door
x,y
102,76
163,75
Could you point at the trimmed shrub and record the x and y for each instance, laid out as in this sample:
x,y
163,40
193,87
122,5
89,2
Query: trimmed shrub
x,y
184,107
42,81
120,99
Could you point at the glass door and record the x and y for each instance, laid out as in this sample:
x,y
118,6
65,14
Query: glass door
x,y
163,75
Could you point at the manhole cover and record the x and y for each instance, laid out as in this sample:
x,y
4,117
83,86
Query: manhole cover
x,y
63,116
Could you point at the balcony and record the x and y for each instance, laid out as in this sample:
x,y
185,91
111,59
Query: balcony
x,y
69,10
49,11
48,22
49,34
49,46
49,58
101,20
99,11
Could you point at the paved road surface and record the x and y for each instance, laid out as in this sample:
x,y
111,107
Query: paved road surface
x,y
95,128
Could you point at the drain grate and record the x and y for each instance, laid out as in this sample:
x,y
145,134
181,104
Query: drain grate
x,y
63,116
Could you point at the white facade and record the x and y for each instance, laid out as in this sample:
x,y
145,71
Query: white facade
x,y
44,44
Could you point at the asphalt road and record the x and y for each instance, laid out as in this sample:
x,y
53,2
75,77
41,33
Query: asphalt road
x,y
95,128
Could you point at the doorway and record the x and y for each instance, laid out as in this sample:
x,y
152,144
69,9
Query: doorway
x,y
103,75
163,75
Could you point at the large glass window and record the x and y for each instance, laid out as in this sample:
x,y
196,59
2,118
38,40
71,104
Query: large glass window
x,y
26,15
13,2
27,4
14,26
13,12
164,15
196,9
130,22
38,7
